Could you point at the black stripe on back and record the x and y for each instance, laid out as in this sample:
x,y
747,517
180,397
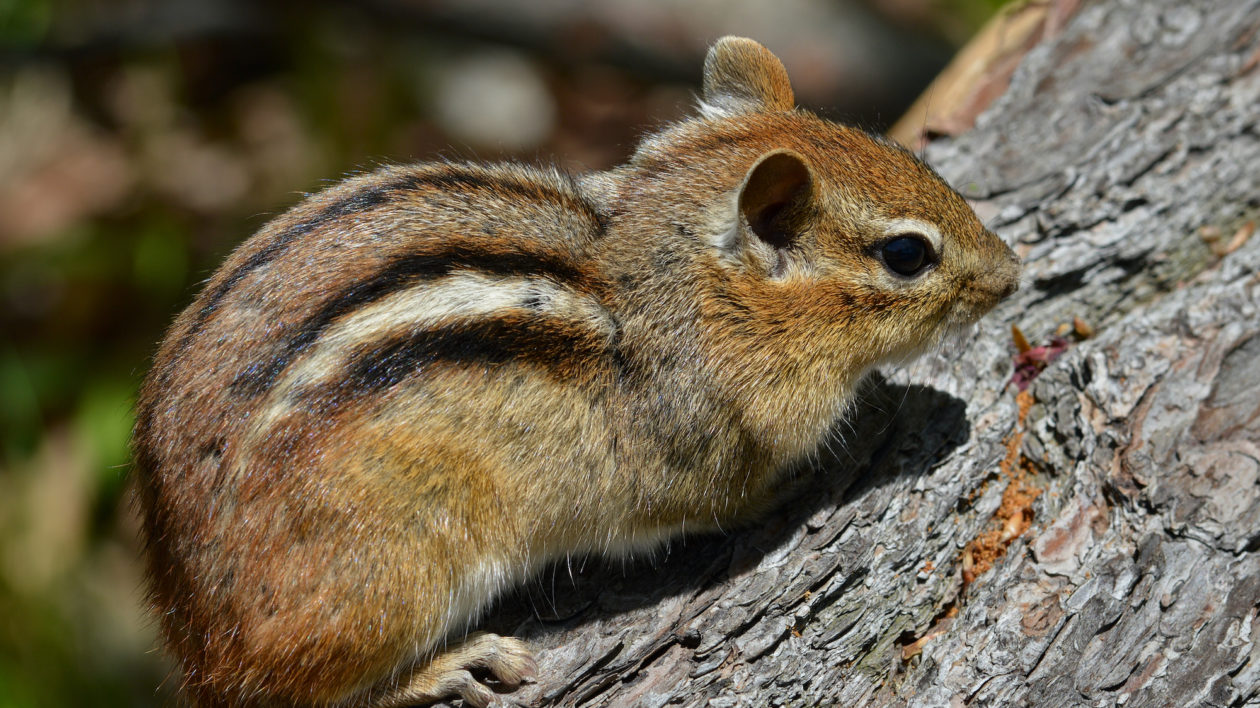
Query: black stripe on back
x,y
567,351
403,273
452,179
354,204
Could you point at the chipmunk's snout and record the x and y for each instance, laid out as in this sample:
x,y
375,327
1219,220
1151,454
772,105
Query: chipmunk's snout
x,y
1008,275
991,281
1000,278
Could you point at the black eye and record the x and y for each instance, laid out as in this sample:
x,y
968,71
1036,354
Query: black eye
x,y
906,255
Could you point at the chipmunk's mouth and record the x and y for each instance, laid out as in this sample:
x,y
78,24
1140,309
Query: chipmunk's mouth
x,y
982,292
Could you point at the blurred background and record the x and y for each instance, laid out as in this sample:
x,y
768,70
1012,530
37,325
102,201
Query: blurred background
x,y
141,140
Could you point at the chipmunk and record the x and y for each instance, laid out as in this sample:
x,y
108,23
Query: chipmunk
x,y
416,388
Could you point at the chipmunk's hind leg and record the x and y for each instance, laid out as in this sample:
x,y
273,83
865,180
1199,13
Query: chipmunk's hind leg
x,y
447,674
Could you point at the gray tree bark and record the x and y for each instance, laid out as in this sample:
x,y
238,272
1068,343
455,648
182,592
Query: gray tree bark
x,y
1124,164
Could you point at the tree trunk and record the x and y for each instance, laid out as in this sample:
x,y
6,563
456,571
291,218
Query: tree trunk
x,y
1116,500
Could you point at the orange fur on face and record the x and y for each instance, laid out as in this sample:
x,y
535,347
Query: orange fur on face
x,y
413,390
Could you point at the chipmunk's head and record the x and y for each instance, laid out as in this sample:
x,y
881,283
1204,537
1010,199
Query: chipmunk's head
x,y
857,226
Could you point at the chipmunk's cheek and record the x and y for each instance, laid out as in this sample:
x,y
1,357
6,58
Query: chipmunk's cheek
x,y
913,333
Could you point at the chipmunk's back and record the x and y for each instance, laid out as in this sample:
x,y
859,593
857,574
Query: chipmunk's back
x,y
318,404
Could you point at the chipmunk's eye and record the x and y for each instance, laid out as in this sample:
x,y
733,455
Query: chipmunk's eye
x,y
906,254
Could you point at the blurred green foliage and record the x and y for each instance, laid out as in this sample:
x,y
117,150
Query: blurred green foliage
x,y
128,169
24,22
966,16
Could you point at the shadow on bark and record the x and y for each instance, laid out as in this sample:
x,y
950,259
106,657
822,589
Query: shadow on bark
x,y
893,431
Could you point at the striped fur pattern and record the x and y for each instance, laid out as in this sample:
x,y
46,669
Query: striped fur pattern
x,y
416,388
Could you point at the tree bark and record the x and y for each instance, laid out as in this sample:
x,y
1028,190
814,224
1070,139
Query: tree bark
x,y
1124,164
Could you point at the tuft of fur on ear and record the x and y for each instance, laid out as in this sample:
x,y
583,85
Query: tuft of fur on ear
x,y
741,76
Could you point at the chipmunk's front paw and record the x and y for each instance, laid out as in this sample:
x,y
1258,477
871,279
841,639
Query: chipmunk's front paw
x,y
447,674
508,659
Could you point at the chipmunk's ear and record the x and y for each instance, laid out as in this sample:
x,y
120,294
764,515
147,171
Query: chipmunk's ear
x,y
773,192
741,76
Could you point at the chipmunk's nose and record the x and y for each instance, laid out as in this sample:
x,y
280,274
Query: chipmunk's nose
x,y
995,278
1011,270
1003,278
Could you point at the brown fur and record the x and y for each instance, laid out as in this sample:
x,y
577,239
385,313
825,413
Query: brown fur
x,y
416,388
